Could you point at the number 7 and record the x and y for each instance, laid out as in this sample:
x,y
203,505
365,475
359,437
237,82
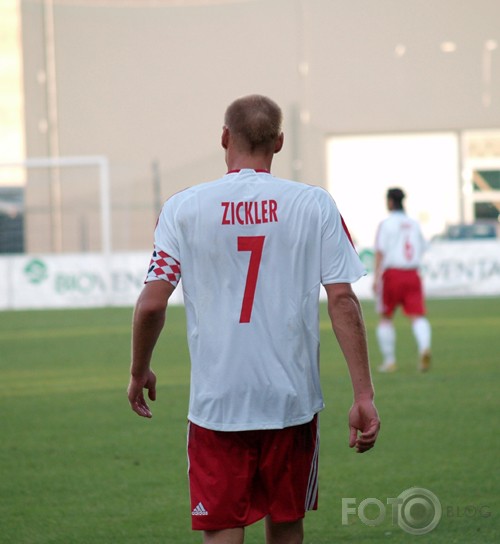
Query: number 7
x,y
254,244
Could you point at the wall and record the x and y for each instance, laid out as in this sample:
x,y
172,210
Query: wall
x,y
145,81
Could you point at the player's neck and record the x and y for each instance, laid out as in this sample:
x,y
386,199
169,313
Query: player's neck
x,y
255,162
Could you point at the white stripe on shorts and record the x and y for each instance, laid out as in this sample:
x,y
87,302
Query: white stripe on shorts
x,y
312,484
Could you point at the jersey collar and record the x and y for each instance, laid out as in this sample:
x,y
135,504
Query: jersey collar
x,y
262,171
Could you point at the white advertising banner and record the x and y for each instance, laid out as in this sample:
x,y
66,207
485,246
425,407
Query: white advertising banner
x,y
451,269
463,269
73,280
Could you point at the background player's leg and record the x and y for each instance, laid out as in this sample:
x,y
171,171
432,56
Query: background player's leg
x,y
386,336
422,333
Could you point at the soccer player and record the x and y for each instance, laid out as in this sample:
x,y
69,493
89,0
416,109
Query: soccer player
x,y
252,251
399,246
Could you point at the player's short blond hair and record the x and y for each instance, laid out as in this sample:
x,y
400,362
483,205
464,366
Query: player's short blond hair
x,y
254,122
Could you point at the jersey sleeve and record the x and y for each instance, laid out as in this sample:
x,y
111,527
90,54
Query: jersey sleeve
x,y
380,237
165,262
340,262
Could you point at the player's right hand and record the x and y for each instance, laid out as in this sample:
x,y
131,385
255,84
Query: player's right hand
x,y
136,393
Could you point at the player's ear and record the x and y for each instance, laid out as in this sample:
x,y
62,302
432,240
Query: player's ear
x,y
225,137
279,143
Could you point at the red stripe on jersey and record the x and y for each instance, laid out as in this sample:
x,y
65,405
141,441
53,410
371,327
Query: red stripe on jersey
x,y
346,230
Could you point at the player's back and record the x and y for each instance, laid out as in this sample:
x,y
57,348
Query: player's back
x,y
249,236
251,252
400,239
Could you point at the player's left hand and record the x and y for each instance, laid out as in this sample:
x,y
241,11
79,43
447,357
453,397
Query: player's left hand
x,y
136,394
364,425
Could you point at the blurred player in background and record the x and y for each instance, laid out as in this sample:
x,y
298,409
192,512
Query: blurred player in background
x,y
252,251
399,247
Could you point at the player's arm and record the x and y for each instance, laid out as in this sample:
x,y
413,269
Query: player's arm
x,y
148,321
348,325
380,245
377,270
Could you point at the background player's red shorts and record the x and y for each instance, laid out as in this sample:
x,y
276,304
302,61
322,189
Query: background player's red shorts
x,y
237,478
402,288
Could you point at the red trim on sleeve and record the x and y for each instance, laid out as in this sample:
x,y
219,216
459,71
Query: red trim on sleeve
x,y
346,230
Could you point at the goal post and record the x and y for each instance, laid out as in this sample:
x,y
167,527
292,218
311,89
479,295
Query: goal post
x,y
63,251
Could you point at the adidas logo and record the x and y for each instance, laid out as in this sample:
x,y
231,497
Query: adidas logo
x,y
199,510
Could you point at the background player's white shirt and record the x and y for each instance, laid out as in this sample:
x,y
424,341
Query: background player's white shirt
x,y
249,235
400,240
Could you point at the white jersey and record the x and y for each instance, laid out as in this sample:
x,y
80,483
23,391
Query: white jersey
x,y
252,250
401,242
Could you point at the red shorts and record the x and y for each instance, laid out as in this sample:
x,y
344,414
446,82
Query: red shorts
x,y
401,288
237,478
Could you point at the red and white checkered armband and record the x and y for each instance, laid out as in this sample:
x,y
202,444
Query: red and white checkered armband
x,y
164,267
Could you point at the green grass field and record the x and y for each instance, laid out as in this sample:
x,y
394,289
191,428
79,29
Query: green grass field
x,y
77,466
